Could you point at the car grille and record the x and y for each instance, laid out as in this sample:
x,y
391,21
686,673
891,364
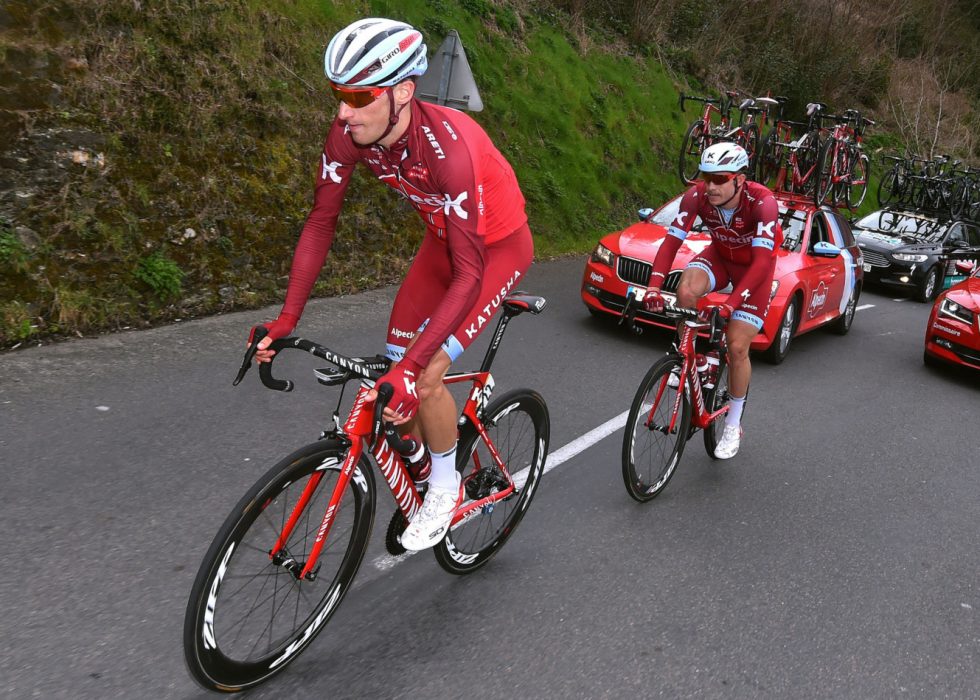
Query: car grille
x,y
873,257
636,271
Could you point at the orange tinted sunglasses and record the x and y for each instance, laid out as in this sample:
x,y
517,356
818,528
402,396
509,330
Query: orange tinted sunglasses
x,y
356,97
718,178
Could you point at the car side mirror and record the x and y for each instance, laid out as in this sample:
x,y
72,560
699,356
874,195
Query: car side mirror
x,y
964,267
645,213
824,249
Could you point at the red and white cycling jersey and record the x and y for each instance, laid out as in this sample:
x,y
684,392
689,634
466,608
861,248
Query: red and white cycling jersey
x,y
746,243
448,169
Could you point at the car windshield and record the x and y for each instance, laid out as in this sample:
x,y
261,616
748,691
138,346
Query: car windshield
x,y
667,213
896,224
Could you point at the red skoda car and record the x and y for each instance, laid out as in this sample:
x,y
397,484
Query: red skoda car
x,y
953,333
817,281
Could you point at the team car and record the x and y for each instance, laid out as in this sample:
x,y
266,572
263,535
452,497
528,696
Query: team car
x,y
818,277
953,333
912,250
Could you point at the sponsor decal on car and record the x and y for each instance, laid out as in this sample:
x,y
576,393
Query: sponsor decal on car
x,y
818,299
596,277
945,329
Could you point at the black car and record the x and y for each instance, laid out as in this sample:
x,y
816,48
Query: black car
x,y
913,251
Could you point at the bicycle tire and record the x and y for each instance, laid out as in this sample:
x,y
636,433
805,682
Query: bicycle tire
x,y
714,399
216,660
770,157
856,188
519,427
888,188
643,480
750,142
824,173
807,159
692,145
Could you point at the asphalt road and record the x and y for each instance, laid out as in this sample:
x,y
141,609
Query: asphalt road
x,y
836,556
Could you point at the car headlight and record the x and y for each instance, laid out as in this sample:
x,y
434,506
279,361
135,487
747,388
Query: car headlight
x,y
910,257
603,254
775,288
954,310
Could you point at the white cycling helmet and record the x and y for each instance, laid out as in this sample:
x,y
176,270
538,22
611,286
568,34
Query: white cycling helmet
x,y
375,52
724,157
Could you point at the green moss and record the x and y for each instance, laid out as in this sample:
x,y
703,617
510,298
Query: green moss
x,y
161,274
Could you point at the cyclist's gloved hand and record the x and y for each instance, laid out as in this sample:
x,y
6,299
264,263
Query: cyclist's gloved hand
x,y
725,310
654,301
280,328
405,399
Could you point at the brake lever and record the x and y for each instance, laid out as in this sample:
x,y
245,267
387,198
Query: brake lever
x,y
385,392
257,334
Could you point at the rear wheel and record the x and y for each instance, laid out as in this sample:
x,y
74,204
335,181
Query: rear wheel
x,y
249,613
694,142
779,349
519,428
842,325
929,285
655,435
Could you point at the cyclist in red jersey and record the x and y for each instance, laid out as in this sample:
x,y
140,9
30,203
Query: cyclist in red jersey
x,y
743,219
476,247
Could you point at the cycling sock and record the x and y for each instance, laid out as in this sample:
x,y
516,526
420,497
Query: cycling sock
x,y
443,469
734,416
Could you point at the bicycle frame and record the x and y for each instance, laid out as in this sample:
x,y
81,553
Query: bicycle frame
x,y
701,417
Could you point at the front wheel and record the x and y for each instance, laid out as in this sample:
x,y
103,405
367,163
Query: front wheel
x,y
249,613
927,288
519,428
857,183
656,433
889,189
779,349
695,141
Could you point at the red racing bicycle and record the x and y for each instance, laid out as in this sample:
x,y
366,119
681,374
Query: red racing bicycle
x,y
288,552
683,392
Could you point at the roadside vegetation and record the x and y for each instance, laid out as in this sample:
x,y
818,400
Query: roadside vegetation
x,y
157,159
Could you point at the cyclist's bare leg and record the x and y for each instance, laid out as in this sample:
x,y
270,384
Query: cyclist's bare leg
x,y
694,284
739,336
437,407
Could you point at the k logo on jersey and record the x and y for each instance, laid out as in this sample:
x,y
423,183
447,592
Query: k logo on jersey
x,y
767,229
330,169
456,205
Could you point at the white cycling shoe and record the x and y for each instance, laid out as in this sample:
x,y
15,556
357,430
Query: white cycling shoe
x,y
728,445
674,380
431,523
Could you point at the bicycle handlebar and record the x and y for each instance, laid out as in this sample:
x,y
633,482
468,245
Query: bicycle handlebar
x,y
368,369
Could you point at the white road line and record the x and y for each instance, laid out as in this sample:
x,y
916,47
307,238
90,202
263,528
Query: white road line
x,y
864,306
555,460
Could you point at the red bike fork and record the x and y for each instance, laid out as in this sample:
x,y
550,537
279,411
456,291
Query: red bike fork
x,y
350,461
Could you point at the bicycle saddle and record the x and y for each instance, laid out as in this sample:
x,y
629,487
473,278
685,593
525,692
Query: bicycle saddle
x,y
522,301
766,101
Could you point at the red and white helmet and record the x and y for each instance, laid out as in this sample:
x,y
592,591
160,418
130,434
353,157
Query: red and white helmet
x,y
375,52
724,157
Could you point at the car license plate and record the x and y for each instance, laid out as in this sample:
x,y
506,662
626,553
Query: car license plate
x,y
867,268
636,292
